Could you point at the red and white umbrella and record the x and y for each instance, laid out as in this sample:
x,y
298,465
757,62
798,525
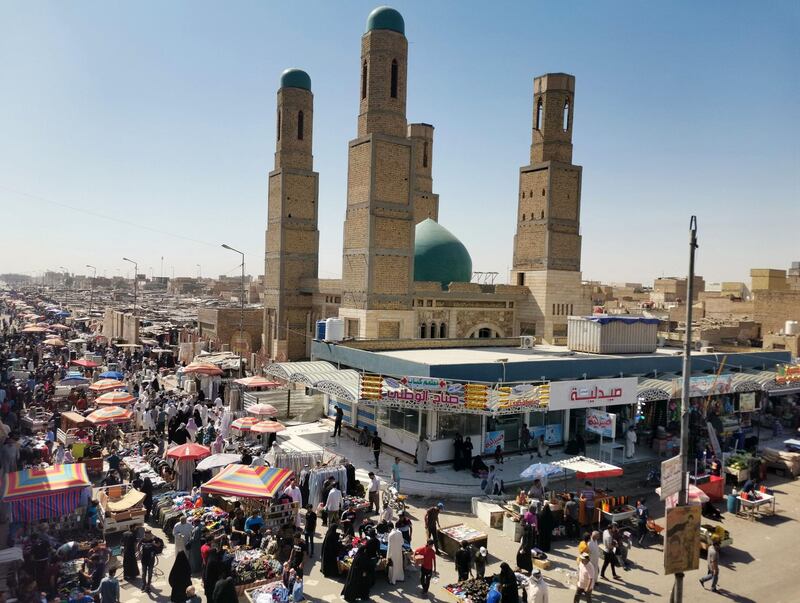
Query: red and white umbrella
x,y
190,451
109,414
263,410
202,368
106,385
114,398
267,427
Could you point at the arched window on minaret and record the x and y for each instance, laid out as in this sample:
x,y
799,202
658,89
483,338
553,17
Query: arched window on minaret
x,y
279,123
423,331
565,118
443,331
433,330
539,114
394,78
425,154
364,80
300,126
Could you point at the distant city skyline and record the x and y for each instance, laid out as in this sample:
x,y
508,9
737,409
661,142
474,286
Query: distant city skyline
x,y
135,136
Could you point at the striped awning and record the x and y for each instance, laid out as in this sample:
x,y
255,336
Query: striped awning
x,y
344,384
651,389
301,372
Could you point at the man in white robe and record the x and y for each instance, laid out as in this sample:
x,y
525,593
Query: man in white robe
x,y
394,553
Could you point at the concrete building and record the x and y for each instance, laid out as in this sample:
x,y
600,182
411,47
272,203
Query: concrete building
x,y
768,279
220,327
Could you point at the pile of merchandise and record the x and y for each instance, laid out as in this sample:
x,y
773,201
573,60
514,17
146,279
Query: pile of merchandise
x,y
473,590
786,461
141,466
274,592
356,503
254,565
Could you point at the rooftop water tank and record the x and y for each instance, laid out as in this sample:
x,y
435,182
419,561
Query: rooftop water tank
x,y
319,331
334,329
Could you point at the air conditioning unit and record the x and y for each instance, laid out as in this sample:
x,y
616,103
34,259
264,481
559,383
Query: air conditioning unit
x,y
708,349
526,342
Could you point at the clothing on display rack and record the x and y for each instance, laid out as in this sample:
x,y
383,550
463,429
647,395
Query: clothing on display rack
x,y
295,461
317,478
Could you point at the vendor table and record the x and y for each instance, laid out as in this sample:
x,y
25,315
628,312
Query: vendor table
x,y
714,487
752,508
607,450
451,537
623,514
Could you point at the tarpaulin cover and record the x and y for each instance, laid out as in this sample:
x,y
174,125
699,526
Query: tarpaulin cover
x,y
32,483
604,320
130,500
45,506
248,482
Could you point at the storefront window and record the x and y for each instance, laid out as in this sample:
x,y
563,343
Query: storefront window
x,y
406,419
452,423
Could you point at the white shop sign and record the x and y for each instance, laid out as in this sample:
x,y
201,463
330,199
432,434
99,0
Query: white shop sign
x,y
590,393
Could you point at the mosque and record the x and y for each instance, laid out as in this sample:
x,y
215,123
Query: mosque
x,y
405,277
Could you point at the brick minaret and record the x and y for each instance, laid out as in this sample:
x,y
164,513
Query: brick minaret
x,y
378,255
547,246
292,238
426,203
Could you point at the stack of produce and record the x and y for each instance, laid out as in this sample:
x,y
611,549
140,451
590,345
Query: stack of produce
x,y
788,461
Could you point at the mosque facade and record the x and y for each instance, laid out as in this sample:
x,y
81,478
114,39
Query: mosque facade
x,y
405,276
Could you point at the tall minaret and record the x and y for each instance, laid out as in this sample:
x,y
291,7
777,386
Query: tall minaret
x,y
378,255
547,246
426,203
292,238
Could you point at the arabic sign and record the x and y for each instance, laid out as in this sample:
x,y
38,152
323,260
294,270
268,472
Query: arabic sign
x,y
603,423
682,542
787,373
429,393
592,393
708,385
747,402
671,477
493,440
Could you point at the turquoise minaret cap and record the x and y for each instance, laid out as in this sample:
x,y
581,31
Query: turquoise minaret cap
x,y
295,78
439,256
385,17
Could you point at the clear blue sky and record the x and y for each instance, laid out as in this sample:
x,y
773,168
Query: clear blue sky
x,y
160,115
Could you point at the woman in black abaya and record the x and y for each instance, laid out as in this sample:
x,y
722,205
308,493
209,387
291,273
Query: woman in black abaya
x,y
330,553
546,524
130,568
358,578
180,578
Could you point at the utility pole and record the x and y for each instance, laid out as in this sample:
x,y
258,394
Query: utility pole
x,y
687,375
241,311
91,290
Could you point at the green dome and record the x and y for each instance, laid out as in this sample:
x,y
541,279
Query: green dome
x,y
385,17
295,78
439,256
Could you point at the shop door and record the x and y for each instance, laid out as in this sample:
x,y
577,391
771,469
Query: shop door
x,y
509,424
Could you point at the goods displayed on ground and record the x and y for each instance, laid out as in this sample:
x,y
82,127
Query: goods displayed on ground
x,y
451,537
782,460
272,592
252,565
142,466
473,590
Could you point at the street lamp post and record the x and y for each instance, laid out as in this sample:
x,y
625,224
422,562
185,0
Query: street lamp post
x,y
199,271
66,273
91,289
135,284
241,310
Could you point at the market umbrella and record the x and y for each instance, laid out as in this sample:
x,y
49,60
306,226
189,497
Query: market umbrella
x,y
111,375
244,424
256,381
202,368
694,496
263,410
30,483
190,451
106,385
77,341
586,468
109,414
114,398
248,482
55,342
60,327
84,363
218,460
267,427
33,329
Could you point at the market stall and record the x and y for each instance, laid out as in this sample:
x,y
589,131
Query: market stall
x,y
451,537
757,504
604,505
45,494
119,507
